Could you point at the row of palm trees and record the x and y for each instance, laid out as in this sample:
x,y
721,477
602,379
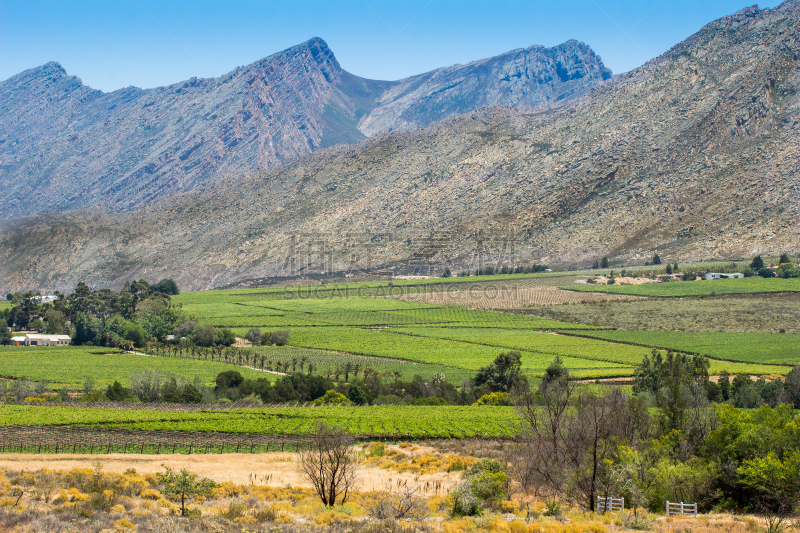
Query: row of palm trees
x,y
252,359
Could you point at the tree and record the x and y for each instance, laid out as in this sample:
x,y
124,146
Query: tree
x,y
165,286
725,385
5,333
253,335
604,263
230,379
224,337
446,273
185,484
56,322
791,386
543,460
774,484
191,394
117,393
757,263
503,375
765,272
280,337
357,395
329,463
669,268
656,259
784,258
788,270
204,335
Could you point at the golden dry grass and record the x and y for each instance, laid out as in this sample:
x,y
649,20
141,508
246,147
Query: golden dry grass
x,y
265,469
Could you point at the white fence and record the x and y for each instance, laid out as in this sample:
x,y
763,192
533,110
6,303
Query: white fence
x,y
609,504
682,508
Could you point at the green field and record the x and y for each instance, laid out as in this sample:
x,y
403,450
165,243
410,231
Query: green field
x,y
539,342
452,340
339,320
758,348
400,421
430,349
69,366
699,288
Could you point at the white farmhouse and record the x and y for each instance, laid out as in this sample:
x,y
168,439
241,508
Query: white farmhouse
x,y
717,275
45,340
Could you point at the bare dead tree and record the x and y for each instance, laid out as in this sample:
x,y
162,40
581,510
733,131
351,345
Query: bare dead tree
x,y
330,463
777,513
543,461
571,437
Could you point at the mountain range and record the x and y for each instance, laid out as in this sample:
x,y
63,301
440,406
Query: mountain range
x,y
80,147
693,155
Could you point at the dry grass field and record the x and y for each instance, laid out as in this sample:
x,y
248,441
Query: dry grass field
x,y
500,296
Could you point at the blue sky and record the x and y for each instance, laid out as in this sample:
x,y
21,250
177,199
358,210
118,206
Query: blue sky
x,y
111,44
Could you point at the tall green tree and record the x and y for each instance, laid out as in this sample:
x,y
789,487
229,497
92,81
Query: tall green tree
x,y
503,375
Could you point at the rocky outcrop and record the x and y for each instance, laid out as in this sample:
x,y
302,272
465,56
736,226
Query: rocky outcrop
x,y
694,155
65,146
534,76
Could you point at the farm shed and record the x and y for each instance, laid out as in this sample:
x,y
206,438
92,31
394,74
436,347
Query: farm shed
x,y
718,275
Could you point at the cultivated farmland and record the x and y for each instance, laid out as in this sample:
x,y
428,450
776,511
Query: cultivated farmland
x,y
772,348
375,421
69,366
699,288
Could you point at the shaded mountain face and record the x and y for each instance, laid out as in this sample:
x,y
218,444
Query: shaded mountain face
x,y
82,148
694,155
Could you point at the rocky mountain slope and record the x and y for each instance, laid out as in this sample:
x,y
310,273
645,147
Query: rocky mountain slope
x,y
530,77
78,147
696,154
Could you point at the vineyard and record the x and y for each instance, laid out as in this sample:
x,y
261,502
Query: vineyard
x,y
375,320
699,288
69,366
39,429
771,348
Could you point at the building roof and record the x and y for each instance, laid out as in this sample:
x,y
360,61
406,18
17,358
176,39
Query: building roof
x,y
32,337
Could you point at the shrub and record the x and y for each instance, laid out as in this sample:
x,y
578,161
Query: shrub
x,y
253,335
493,399
124,523
332,398
151,494
377,449
766,272
280,337
235,510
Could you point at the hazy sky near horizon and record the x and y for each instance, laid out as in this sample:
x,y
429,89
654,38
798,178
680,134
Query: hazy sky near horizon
x,y
111,44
